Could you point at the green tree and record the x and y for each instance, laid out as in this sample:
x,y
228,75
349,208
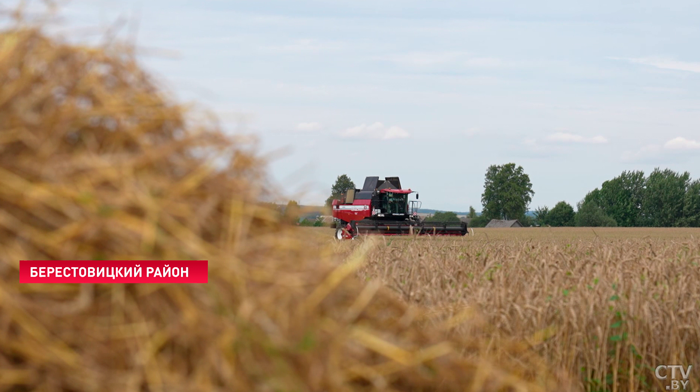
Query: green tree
x,y
479,221
527,221
561,215
443,216
541,216
691,205
342,184
592,197
589,214
621,198
472,212
507,192
664,198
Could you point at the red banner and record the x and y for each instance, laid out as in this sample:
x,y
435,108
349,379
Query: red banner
x,y
113,271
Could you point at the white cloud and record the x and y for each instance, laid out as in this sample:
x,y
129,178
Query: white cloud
x,y
432,59
531,147
484,62
472,131
664,63
681,143
654,152
375,131
563,137
303,46
423,59
553,144
530,142
645,154
308,127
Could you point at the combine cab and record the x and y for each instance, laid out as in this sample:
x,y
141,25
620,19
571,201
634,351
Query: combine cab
x,y
382,207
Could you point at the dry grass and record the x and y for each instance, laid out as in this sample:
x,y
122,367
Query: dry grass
x,y
609,307
97,163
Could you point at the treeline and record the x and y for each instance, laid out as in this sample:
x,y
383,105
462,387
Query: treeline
x,y
665,198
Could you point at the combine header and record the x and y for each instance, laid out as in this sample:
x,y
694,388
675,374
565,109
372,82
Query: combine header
x,y
382,207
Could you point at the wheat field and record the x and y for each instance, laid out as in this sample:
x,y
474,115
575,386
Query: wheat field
x,y
604,305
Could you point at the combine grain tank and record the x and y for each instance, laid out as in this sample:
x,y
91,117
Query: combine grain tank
x,y
382,207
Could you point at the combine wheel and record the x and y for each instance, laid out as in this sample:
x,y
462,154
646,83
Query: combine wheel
x,y
342,232
338,232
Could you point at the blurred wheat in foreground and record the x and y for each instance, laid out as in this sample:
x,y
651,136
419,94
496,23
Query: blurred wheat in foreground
x,y
97,163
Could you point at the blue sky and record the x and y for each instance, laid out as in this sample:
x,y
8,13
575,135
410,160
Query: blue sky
x,y
434,92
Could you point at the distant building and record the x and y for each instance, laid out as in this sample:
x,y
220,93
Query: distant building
x,y
504,223
466,220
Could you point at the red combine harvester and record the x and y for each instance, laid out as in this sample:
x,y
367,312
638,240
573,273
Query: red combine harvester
x,y
382,207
